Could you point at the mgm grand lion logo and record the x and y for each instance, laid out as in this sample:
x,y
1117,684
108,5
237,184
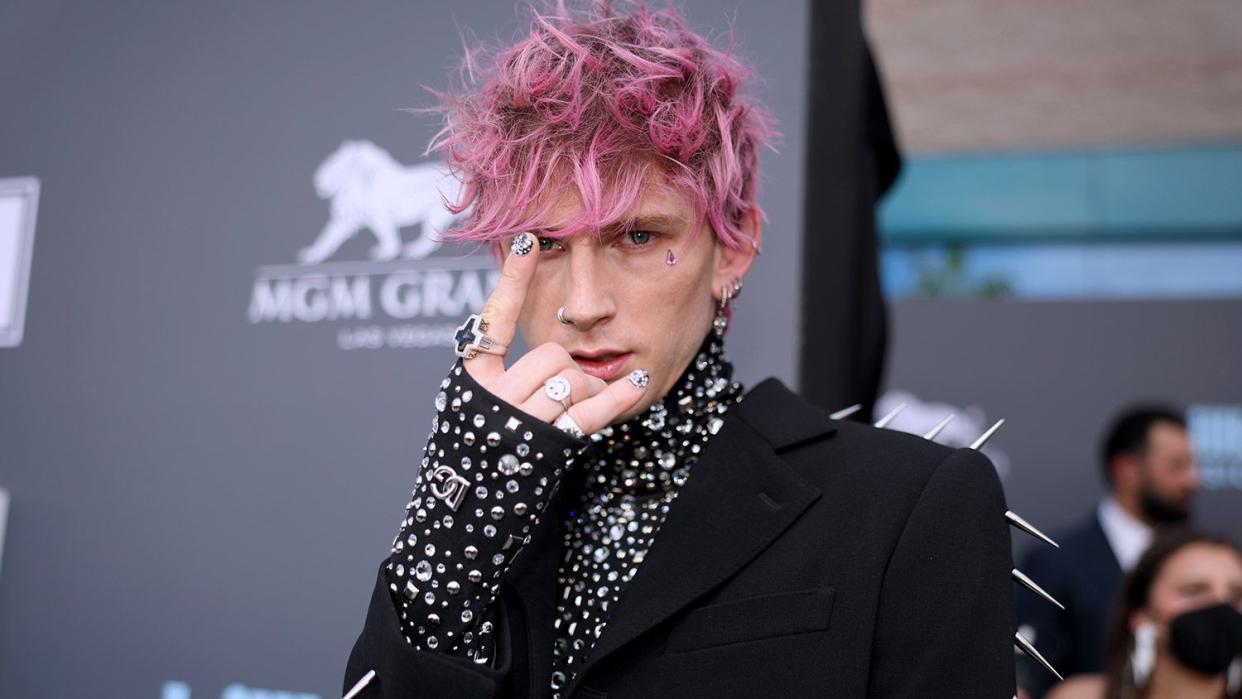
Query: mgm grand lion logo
x,y
407,291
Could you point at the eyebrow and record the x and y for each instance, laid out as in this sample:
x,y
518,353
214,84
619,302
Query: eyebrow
x,y
657,221
639,222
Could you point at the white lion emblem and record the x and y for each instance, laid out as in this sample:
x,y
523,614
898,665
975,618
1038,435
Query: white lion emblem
x,y
370,189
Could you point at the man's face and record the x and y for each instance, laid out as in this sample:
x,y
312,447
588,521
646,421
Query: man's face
x,y
1168,472
630,308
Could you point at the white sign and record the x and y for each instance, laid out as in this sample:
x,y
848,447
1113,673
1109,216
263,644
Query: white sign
x,y
403,295
19,200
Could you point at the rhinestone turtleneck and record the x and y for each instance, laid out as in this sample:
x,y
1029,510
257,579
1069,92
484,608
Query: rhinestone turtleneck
x,y
632,472
488,473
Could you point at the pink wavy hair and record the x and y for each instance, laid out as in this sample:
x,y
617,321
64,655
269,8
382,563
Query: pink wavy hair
x,y
596,100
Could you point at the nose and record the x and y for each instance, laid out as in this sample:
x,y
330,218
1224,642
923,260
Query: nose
x,y
588,293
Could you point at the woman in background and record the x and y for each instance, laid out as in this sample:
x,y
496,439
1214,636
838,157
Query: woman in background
x,y
1177,631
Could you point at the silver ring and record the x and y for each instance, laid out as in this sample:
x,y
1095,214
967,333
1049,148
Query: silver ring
x,y
557,388
471,338
566,424
560,315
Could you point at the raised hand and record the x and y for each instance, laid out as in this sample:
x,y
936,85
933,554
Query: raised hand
x,y
593,404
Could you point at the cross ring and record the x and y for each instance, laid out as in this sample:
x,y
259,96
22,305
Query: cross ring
x,y
471,338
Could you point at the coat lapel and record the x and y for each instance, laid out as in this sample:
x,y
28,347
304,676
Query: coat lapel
x,y
740,496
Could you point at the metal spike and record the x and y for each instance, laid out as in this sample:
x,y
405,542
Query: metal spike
x,y
940,426
1026,647
883,422
1027,527
983,438
362,683
1030,585
846,412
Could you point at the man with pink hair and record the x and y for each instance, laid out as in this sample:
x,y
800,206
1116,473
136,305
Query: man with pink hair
x,y
612,514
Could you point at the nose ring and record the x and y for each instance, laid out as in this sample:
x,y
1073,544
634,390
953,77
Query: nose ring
x,y
560,315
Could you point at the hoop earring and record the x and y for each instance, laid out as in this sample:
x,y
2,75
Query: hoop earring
x,y
1143,653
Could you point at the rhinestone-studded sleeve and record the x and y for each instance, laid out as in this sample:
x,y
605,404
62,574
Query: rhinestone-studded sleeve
x,y
487,473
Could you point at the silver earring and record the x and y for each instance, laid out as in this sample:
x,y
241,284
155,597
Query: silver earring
x,y
1143,654
560,315
721,322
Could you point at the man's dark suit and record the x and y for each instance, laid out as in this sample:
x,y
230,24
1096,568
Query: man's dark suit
x,y
804,557
1083,574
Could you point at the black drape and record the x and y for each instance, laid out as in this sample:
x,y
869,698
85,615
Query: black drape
x,y
852,160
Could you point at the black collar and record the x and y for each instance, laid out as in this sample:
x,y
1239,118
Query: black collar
x,y
783,417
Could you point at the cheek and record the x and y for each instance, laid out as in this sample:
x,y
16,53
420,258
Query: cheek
x,y
1171,604
677,313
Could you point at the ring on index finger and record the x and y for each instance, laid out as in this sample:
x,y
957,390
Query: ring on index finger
x,y
471,338
557,388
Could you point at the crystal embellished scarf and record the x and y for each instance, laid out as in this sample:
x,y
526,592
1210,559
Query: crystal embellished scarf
x,y
631,474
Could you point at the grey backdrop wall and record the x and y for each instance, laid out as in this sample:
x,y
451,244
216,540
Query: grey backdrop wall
x,y
208,445
1058,372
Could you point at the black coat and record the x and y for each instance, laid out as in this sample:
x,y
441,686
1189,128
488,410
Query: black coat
x,y
1084,575
803,557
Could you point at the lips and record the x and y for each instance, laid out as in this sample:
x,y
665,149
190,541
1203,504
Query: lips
x,y
607,365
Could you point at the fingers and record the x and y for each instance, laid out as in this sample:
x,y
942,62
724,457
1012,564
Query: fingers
x,y
602,409
581,387
505,304
529,372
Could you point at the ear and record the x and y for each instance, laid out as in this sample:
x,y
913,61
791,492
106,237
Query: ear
x,y
731,264
1126,474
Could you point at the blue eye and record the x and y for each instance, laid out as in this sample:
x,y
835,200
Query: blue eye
x,y
545,243
640,237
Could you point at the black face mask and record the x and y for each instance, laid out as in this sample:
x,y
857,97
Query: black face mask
x,y
1206,640
1158,510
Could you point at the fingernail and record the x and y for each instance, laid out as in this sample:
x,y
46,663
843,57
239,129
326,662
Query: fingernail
x,y
639,378
522,244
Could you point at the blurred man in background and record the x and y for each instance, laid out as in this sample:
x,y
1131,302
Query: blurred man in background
x,y
1152,478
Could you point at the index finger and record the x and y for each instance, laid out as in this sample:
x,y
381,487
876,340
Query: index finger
x,y
503,306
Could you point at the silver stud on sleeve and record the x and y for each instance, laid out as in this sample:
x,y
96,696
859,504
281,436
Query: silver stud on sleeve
x,y
486,476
